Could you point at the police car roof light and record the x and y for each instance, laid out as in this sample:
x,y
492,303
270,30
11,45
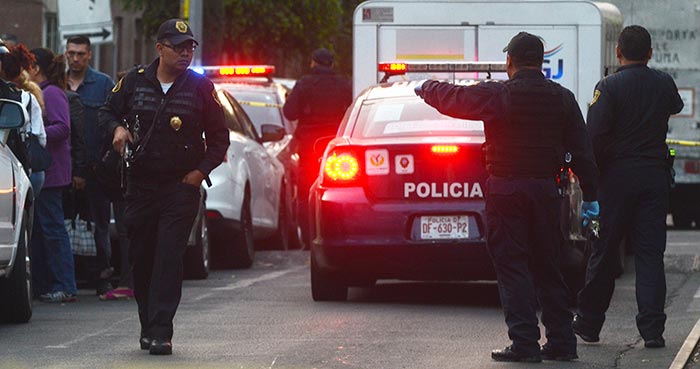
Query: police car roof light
x,y
239,71
401,68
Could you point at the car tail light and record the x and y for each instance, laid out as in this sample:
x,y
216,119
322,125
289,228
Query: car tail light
x,y
444,149
341,167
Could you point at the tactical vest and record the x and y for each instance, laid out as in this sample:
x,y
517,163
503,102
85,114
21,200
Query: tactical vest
x,y
325,98
176,145
530,141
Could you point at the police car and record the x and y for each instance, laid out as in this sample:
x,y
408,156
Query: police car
x,y
243,203
400,195
262,98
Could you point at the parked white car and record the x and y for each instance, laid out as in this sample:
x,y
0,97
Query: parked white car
x,y
243,203
16,214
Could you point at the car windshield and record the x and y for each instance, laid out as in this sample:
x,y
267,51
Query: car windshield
x,y
261,107
407,117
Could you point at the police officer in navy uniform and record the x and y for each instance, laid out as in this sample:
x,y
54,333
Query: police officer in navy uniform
x,y
627,122
530,124
318,101
167,108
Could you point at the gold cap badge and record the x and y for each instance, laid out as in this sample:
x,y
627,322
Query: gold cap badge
x,y
176,123
181,26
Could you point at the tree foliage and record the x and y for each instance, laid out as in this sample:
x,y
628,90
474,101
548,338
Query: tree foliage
x,y
279,32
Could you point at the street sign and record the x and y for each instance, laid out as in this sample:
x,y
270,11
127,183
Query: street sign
x,y
91,18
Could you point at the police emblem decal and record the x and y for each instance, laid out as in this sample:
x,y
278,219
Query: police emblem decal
x,y
596,95
181,26
176,123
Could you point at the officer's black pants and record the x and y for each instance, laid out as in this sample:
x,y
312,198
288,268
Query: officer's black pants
x,y
524,242
633,205
158,225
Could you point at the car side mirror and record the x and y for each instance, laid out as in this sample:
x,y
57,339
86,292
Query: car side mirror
x,y
272,132
11,114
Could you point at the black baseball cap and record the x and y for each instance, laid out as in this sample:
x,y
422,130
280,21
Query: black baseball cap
x,y
176,31
322,56
526,48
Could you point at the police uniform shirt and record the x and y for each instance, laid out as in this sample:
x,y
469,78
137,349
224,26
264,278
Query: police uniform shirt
x,y
489,101
628,116
193,109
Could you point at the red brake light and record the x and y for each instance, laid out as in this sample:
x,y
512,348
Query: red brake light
x,y
444,149
343,167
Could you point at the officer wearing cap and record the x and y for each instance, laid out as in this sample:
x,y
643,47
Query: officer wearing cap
x,y
627,122
530,124
318,101
160,112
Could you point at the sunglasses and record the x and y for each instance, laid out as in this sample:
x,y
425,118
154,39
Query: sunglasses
x,y
182,47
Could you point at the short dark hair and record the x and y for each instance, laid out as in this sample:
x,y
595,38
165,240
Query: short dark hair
x,y
634,42
79,40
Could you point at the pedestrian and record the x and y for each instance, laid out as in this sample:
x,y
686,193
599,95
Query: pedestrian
x,y
15,63
167,107
530,124
318,101
93,87
627,122
53,268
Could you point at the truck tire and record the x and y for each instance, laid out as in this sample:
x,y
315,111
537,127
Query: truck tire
x,y
196,260
16,291
682,219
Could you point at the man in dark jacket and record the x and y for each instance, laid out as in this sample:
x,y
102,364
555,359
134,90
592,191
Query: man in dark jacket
x,y
168,108
628,121
530,124
318,101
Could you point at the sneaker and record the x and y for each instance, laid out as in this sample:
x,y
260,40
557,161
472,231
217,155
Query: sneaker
x,y
120,293
58,296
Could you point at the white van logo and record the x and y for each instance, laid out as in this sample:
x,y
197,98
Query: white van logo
x,y
442,190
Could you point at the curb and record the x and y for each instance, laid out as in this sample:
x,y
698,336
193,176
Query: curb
x,y
687,348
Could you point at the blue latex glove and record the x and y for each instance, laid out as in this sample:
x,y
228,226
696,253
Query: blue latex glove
x,y
589,210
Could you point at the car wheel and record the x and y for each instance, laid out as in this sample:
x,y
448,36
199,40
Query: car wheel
x,y
682,218
280,240
16,291
243,251
326,287
196,260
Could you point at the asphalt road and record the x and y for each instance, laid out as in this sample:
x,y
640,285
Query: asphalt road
x,y
264,317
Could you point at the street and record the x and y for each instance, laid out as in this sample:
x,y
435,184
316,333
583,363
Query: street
x,y
264,317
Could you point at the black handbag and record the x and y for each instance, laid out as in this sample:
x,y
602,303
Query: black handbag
x,y
39,156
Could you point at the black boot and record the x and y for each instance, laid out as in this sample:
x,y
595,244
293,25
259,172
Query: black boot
x,y
507,354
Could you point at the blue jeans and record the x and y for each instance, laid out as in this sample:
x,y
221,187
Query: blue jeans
x,y
52,259
37,180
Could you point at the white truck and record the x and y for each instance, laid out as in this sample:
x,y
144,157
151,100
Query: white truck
x,y
579,37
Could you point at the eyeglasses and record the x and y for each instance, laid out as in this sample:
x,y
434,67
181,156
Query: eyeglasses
x,y
182,47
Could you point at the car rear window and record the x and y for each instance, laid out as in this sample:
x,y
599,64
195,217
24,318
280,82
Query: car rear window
x,y
406,117
262,108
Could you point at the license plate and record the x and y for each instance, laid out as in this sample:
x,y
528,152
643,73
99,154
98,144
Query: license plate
x,y
444,227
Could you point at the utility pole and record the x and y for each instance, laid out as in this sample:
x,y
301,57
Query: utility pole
x,y
192,11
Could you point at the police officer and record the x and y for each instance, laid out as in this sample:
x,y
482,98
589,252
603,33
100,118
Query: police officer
x,y
530,123
167,107
318,101
627,122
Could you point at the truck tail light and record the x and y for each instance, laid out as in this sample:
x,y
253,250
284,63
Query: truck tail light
x,y
444,149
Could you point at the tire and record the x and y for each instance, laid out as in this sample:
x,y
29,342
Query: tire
x,y
280,240
16,291
326,287
196,260
242,252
